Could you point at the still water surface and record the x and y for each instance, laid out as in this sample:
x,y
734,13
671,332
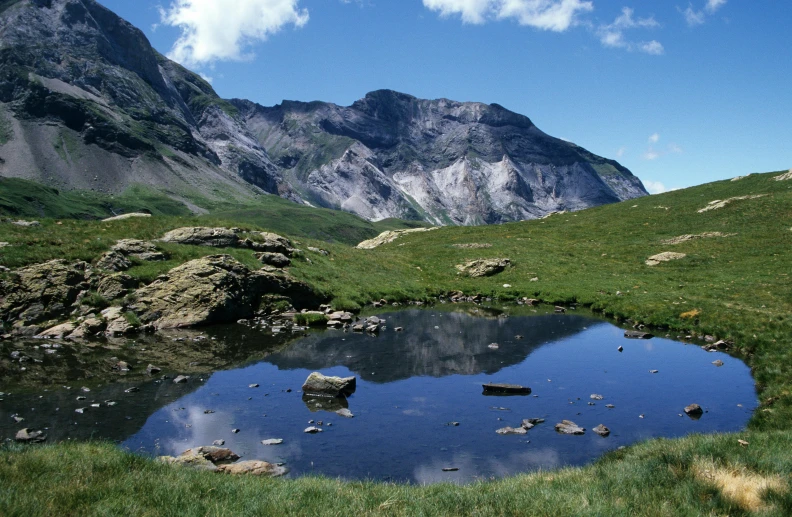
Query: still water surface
x,y
413,384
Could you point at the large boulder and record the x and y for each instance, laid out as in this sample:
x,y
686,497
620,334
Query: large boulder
x,y
213,289
318,384
483,267
202,236
115,286
278,260
141,250
273,243
42,292
113,261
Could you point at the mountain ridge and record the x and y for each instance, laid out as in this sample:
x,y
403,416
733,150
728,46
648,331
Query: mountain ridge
x,y
87,103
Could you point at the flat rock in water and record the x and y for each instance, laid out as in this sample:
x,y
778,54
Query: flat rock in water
x,y
569,427
344,412
312,430
272,441
601,430
181,379
512,430
718,363
253,468
637,334
505,389
595,396
318,384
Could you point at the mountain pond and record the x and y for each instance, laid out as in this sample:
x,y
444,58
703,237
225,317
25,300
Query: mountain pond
x,y
420,414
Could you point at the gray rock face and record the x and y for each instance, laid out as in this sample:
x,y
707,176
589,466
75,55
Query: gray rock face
x,y
393,155
318,384
201,236
213,289
75,74
42,292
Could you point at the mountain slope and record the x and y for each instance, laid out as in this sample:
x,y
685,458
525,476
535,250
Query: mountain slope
x,y
87,103
393,155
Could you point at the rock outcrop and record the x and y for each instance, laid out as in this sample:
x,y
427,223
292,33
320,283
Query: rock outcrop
x,y
213,289
42,292
388,237
483,267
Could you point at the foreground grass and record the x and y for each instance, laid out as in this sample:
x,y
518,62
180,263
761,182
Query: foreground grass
x,y
698,475
735,287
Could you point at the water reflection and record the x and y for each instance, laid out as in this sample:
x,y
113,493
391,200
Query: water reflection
x,y
412,386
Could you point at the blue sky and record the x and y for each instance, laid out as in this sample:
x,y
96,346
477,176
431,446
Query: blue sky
x,y
681,93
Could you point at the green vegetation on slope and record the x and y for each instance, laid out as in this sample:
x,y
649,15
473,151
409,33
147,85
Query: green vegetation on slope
x,y
735,287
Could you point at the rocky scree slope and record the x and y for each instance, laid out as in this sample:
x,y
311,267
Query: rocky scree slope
x,y
446,162
87,103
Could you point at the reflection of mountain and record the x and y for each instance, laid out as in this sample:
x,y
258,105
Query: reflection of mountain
x,y
433,344
38,392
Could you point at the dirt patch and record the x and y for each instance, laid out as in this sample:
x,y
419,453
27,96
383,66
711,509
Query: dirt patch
x,y
738,484
472,246
667,256
720,203
705,235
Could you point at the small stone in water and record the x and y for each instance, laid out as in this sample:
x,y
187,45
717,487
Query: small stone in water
x,y
654,371
450,469
131,390
594,396
620,349
80,410
253,386
235,431
80,398
272,441
208,411
610,406
453,424
493,346
218,443
312,430
718,363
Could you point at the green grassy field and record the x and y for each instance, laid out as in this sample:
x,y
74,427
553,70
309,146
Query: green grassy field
x,y
733,287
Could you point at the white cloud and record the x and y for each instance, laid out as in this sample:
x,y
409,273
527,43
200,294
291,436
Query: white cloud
x,y
654,138
620,152
612,35
714,5
553,15
213,30
651,155
694,17
654,187
652,47
673,148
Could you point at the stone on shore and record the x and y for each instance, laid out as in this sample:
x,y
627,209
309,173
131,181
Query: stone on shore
x,y
253,468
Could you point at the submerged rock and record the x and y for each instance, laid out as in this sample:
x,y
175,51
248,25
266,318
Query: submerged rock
x,y
318,384
512,430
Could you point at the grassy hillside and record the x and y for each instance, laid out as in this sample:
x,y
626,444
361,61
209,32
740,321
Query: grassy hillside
x,y
26,199
734,286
